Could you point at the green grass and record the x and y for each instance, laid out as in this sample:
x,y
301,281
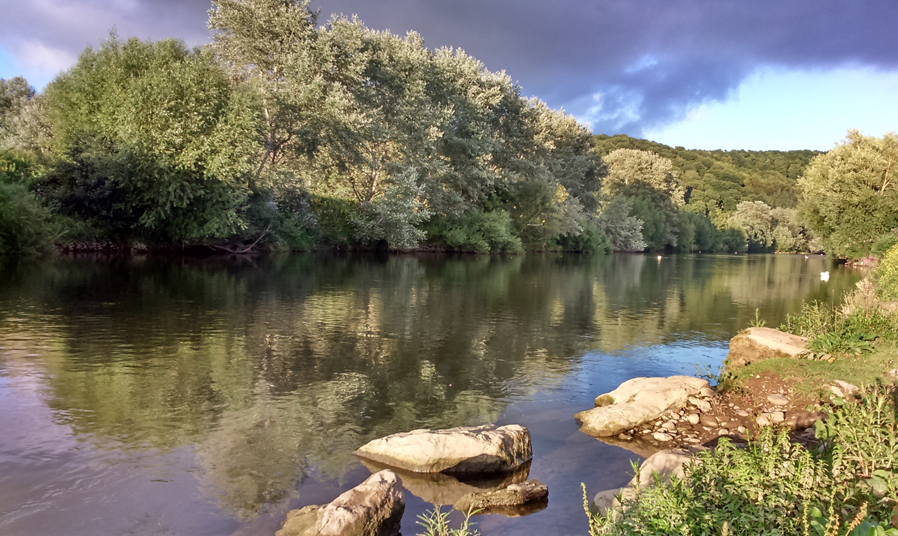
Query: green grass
x,y
813,375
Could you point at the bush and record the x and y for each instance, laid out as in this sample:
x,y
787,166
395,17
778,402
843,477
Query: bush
x,y
475,231
24,223
883,243
886,275
773,486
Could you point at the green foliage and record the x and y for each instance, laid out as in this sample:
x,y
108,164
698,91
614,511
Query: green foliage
x,y
151,140
623,230
886,275
883,243
436,523
394,216
850,196
774,486
734,240
474,231
24,224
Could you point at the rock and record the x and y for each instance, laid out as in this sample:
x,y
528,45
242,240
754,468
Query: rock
x,y
778,400
440,488
638,401
741,429
758,344
709,421
763,419
510,498
802,419
665,464
373,508
846,388
624,437
777,417
723,432
669,426
694,419
661,436
893,373
703,405
473,449
742,413
707,392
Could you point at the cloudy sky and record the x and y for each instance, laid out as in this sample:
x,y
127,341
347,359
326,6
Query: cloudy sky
x,y
707,74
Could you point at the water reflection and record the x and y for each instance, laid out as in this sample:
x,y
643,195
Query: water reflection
x,y
268,373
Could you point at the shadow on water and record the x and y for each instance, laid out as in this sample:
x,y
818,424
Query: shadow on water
x,y
231,391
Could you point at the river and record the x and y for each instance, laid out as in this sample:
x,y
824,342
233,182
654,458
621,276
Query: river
x,y
208,397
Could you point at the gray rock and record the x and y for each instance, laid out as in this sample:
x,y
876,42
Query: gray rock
x,y
709,421
665,464
703,405
742,413
757,344
694,419
474,449
763,419
661,436
707,392
777,416
373,508
777,400
846,388
636,402
669,426
513,496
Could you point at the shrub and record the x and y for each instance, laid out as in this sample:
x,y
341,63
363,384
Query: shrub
x,y
773,486
475,231
886,275
883,243
24,223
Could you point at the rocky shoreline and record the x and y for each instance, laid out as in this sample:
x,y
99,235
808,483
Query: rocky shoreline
x,y
485,469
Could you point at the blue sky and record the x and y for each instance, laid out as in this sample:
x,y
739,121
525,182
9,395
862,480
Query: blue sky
x,y
707,74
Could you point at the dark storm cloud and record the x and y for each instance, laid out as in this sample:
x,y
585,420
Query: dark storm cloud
x,y
623,65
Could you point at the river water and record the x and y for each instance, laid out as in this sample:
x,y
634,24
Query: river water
x,y
151,396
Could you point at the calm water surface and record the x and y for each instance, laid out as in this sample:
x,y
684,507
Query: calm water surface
x,y
148,396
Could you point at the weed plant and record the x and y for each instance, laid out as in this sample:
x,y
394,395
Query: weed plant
x,y
436,523
846,486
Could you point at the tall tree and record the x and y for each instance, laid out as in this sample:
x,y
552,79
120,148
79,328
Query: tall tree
x,y
850,194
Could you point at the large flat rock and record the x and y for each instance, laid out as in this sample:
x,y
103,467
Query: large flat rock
x,y
757,344
373,508
637,401
464,450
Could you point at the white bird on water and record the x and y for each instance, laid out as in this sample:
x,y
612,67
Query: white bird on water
x,y
824,276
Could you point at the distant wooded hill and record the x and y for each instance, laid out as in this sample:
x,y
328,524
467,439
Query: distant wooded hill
x,y
717,181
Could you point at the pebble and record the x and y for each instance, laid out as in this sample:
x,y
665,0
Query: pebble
x,y
742,413
763,419
777,416
846,387
624,437
741,429
669,426
777,399
707,392
703,405
723,431
694,419
661,436
709,421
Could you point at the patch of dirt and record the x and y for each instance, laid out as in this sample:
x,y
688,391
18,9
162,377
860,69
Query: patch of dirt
x,y
766,398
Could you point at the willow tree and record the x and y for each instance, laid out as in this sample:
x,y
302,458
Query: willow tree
x,y
269,45
850,194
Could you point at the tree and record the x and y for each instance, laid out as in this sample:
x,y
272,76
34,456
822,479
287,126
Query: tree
x,y
270,46
151,141
850,194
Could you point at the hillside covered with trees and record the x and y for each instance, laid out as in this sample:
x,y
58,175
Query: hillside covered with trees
x,y
286,133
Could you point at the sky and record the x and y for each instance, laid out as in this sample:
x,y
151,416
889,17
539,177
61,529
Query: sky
x,y
702,74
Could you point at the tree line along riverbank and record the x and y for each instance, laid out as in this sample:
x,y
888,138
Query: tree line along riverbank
x,y
288,132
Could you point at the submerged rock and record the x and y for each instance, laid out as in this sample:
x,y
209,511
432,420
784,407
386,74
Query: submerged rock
x,y
514,501
664,464
473,449
442,489
758,344
637,401
373,508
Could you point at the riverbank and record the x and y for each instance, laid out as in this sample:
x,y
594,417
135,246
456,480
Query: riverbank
x,y
834,478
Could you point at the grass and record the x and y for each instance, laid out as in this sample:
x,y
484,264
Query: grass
x,y
848,486
811,376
